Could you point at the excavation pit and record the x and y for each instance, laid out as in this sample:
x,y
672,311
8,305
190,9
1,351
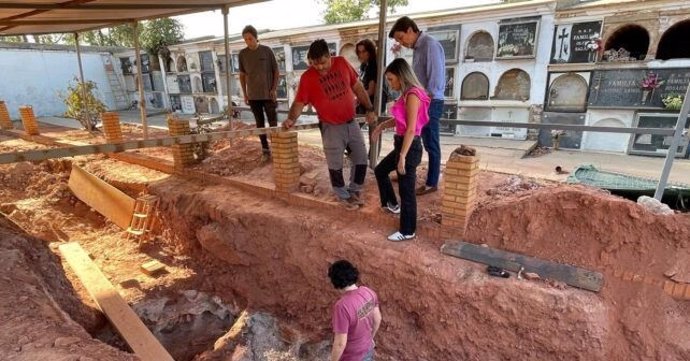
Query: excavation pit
x,y
246,268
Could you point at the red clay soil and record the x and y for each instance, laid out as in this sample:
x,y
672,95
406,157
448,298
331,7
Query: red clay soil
x,y
267,255
38,306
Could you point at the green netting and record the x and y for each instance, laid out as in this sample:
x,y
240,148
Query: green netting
x,y
590,175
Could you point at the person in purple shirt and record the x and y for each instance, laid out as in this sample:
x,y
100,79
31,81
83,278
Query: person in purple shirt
x,y
429,63
356,315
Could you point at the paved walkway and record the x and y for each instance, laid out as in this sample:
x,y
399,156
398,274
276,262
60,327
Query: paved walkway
x,y
497,155
508,156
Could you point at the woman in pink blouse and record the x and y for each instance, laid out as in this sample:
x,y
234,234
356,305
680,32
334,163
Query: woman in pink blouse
x,y
410,114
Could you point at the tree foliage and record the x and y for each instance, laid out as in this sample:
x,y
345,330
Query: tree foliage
x,y
154,35
158,34
341,11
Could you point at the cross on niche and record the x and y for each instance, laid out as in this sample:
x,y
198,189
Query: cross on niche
x,y
562,38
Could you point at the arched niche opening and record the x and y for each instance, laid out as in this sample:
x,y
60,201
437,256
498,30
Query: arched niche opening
x,y
514,84
675,43
568,93
181,64
630,42
475,86
480,47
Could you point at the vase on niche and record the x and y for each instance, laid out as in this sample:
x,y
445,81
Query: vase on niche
x,y
645,95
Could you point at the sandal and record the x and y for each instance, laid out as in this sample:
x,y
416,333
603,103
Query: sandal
x,y
398,237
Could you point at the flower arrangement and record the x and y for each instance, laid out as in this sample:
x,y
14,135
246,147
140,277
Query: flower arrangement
x,y
673,101
651,82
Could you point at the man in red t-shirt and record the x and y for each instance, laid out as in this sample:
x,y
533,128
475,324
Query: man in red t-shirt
x,y
356,315
330,85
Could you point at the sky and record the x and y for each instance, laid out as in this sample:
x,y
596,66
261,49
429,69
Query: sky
x,y
284,14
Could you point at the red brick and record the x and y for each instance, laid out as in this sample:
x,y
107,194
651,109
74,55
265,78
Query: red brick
x,y
679,290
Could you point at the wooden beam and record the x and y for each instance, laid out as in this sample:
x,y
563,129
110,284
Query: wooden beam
x,y
101,196
109,301
571,275
43,154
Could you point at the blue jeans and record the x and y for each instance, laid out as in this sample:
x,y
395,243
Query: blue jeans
x,y
432,142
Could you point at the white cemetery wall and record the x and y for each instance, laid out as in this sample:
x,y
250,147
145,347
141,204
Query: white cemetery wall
x,y
35,77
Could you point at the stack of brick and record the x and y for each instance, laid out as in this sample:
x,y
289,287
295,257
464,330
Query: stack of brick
x,y
28,120
111,127
5,121
286,170
183,154
459,193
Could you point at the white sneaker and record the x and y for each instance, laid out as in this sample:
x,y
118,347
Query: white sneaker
x,y
395,209
398,237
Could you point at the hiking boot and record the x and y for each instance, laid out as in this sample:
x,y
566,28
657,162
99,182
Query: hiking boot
x,y
425,190
399,237
393,208
265,157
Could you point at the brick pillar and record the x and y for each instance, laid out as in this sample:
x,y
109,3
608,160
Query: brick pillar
x,y
459,192
5,121
183,154
111,127
286,169
28,120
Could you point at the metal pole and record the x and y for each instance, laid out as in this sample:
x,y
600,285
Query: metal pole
x,y
380,57
140,79
84,93
671,155
227,65
375,144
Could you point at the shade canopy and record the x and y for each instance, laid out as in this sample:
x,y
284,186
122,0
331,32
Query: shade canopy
x,y
69,16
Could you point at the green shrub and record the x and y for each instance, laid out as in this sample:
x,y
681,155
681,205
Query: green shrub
x,y
77,105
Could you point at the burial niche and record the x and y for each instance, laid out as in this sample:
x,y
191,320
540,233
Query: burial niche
x,y
568,93
201,105
514,84
215,109
675,43
629,43
181,64
475,86
480,47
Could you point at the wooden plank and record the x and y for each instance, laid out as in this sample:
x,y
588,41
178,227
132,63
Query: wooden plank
x,y
101,196
571,275
73,151
127,323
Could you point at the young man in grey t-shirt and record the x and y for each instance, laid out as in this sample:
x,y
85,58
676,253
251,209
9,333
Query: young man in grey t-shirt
x,y
259,76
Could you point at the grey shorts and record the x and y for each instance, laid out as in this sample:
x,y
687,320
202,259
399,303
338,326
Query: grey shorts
x,y
336,137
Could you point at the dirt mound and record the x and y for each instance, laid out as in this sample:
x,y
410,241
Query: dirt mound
x,y
592,229
41,304
583,227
